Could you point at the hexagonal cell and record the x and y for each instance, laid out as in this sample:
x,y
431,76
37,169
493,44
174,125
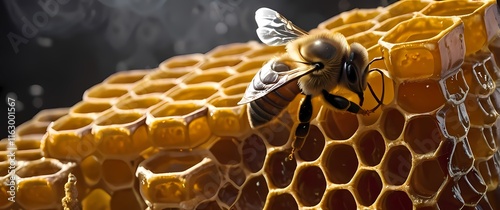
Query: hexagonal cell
x,y
472,187
234,90
400,8
340,163
371,148
226,151
281,201
455,87
477,30
69,138
252,65
313,145
423,134
126,77
253,194
103,91
178,125
491,66
449,197
280,168
478,78
182,61
275,133
194,92
481,142
215,75
395,200
31,128
265,51
413,49
228,194
226,117
237,79
346,18
367,38
424,184
153,87
117,173
397,165
461,160
169,74
91,170
121,134
310,185
126,199
40,182
90,107
50,115
237,175
27,148
393,123
368,186
338,125
177,179
254,153
481,111
410,95
97,199
389,23
231,49
219,62
341,199
138,104
354,28
490,171
455,120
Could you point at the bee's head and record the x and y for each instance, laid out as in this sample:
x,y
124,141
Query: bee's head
x,y
354,70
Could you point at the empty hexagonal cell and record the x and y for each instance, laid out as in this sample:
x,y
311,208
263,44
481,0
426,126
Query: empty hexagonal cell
x,y
121,134
182,61
368,185
478,78
91,170
413,49
194,92
455,120
69,138
97,199
219,62
175,179
411,96
31,128
228,194
480,111
338,125
254,153
393,122
313,145
265,51
282,201
455,87
138,104
126,77
481,142
215,75
237,79
103,91
226,151
44,177
389,23
253,194
169,74
367,38
397,165
395,200
340,163
126,199
401,8
235,90
117,173
461,159
50,115
472,187
226,117
449,197
477,30
230,49
27,148
354,28
371,148
310,185
341,199
157,87
179,125
346,18
423,134
276,133
424,184
280,168
252,65
90,107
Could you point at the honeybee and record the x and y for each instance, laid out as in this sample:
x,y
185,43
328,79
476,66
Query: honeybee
x,y
314,64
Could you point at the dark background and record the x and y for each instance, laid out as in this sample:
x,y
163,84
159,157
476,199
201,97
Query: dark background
x,y
76,44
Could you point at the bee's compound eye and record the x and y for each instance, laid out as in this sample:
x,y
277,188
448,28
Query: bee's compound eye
x,y
280,67
321,49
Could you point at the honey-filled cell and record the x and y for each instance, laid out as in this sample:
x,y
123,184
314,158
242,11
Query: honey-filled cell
x,y
126,199
369,186
455,87
226,151
282,201
420,96
393,122
313,145
253,194
461,161
90,107
104,92
423,134
453,120
117,173
450,198
478,78
395,200
341,199
215,75
310,185
228,194
338,125
424,184
371,148
254,153
280,168
340,163
153,87
472,187
400,8
194,92
397,165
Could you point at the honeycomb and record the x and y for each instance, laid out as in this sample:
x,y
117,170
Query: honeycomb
x,y
174,137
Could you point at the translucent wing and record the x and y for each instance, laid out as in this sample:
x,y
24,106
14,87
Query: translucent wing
x,y
274,29
270,77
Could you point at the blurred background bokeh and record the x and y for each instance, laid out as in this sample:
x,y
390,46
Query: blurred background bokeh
x,y
54,50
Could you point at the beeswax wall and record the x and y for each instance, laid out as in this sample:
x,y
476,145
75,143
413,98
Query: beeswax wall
x,y
174,138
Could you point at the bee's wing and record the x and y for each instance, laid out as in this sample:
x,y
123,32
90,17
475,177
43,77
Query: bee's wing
x,y
267,80
274,29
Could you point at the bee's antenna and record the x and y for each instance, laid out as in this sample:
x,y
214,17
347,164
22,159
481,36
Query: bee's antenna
x,y
381,100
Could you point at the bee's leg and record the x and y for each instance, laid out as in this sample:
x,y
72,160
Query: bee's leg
x,y
305,114
342,103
